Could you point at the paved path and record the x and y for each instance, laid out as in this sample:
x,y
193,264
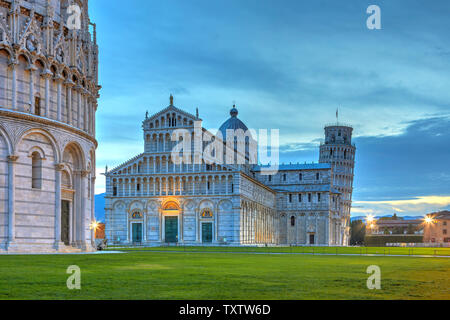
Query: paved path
x,y
293,253
59,253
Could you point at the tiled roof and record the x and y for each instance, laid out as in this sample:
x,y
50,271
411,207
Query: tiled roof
x,y
298,166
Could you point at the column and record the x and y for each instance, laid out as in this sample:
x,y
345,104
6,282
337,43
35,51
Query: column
x,y
11,199
47,74
69,85
32,69
83,208
58,169
226,185
78,94
59,80
93,209
86,112
13,65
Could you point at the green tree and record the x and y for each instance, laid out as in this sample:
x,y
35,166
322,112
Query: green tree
x,y
358,232
411,229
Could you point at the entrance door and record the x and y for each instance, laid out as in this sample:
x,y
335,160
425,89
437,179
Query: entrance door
x,y
207,232
311,239
137,232
171,229
65,222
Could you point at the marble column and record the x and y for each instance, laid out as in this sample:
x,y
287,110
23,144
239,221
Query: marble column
x,y
47,75
69,85
11,199
31,69
13,65
58,169
59,81
83,226
93,209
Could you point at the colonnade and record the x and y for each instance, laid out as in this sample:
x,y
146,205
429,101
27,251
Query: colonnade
x,y
259,224
165,164
173,185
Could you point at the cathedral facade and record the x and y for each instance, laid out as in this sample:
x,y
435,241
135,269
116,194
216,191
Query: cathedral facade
x,y
156,199
48,100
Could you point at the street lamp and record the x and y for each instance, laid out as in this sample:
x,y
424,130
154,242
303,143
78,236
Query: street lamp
x,y
93,225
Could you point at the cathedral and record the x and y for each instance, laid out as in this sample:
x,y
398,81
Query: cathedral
x,y
48,100
172,195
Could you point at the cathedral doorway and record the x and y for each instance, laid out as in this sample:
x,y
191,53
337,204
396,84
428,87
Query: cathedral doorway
x,y
207,232
65,222
136,231
171,229
312,239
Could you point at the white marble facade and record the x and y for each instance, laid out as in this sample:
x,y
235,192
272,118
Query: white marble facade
x,y
150,200
48,100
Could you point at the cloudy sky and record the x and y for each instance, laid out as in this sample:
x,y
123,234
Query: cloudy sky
x,y
288,65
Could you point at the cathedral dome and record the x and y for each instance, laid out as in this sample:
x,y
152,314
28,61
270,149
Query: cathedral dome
x,y
232,124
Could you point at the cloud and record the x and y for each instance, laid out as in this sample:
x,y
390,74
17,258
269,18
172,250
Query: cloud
x,y
288,67
416,206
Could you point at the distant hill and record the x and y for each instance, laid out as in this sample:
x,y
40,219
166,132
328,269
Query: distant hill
x,y
100,207
389,215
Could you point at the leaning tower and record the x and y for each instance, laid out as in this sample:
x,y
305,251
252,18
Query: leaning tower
x,y
339,151
48,99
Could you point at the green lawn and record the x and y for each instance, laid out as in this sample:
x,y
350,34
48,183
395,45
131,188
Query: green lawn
x,y
158,275
316,250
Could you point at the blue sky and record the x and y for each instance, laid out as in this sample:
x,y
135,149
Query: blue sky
x,y
288,65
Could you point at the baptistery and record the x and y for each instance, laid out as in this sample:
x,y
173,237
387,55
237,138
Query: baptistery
x,y
48,100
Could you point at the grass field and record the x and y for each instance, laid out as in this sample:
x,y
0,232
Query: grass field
x,y
159,275
312,250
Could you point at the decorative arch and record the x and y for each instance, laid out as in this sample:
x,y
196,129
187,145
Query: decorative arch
x,y
76,149
171,205
7,50
7,139
48,135
38,150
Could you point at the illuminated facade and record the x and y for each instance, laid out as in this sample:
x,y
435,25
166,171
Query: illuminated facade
x,y
153,200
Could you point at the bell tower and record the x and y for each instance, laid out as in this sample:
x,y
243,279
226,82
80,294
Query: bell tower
x,y
339,151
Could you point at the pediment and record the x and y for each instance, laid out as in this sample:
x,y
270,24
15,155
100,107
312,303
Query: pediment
x,y
152,121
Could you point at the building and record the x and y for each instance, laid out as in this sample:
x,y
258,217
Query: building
x,y
153,199
48,100
396,227
100,231
437,227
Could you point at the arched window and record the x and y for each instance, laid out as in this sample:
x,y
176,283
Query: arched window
x,y
37,106
292,221
36,171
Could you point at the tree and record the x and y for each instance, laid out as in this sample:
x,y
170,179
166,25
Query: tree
x,y
411,229
358,232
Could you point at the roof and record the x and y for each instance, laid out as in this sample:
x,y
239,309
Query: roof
x,y
397,223
298,166
445,215
304,188
233,123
